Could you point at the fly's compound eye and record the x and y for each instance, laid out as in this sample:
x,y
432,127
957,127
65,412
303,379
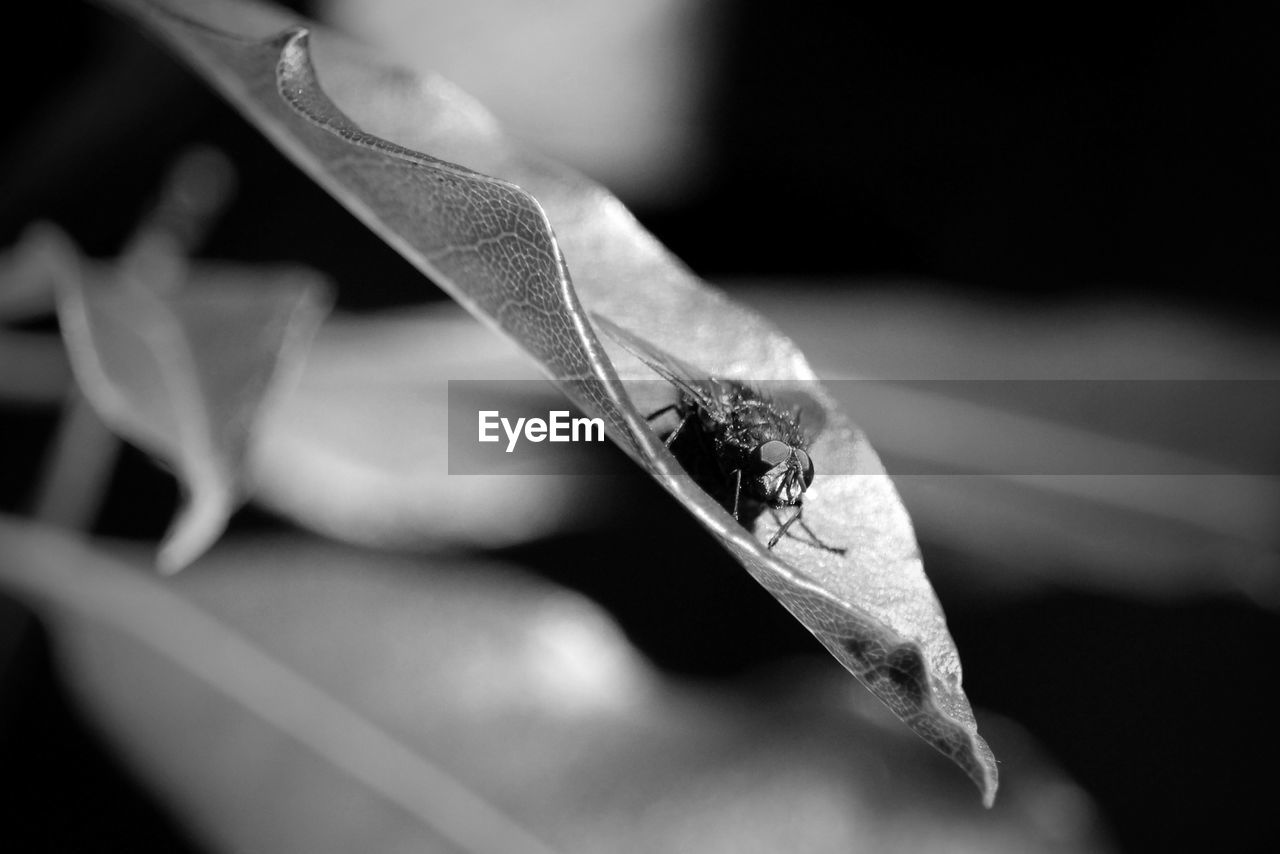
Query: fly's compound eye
x,y
772,454
806,467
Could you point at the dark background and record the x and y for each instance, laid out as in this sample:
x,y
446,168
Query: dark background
x,y
1033,159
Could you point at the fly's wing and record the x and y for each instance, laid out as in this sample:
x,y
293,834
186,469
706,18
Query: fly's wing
x,y
696,383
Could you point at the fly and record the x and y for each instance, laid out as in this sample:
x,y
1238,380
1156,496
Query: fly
x,y
739,445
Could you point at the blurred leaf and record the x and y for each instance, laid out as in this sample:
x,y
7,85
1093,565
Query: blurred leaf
x,y
358,450
489,244
621,92
288,694
183,370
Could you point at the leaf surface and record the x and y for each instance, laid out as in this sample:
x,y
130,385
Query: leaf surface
x,y
359,127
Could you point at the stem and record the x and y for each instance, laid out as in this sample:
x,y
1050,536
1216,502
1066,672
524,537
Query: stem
x,y
78,467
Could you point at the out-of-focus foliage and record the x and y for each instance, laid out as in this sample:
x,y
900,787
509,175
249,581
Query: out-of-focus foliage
x,y
620,90
359,450
480,709
182,364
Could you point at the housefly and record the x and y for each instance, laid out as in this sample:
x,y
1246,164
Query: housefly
x,y
749,453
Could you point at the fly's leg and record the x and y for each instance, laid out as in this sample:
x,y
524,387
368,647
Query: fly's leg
x,y
814,540
737,492
676,432
658,413
798,518
778,534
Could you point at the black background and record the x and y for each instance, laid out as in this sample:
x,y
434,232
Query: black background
x,y
1038,158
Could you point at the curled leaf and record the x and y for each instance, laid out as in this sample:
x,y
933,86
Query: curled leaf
x,y
359,128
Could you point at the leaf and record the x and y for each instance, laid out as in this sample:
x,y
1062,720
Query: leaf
x,y
287,694
184,372
358,450
489,244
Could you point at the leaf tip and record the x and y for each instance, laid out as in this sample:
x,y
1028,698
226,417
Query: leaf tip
x,y
200,522
988,781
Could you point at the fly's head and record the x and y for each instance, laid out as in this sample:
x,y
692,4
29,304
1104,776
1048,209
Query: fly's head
x,y
780,473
